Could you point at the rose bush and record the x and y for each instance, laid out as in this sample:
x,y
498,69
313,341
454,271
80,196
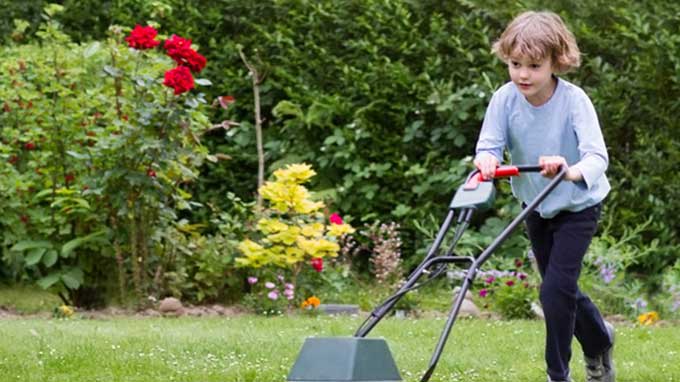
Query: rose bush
x,y
97,155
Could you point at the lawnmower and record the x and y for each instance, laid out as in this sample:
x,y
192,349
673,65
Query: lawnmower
x,y
357,358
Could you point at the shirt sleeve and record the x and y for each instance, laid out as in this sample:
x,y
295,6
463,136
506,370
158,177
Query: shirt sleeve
x,y
492,137
591,147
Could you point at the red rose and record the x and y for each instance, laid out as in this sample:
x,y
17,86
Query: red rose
x,y
68,178
509,283
151,173
317,264
175,45
335,219
142,38
179,49
194,60
29,145
179,79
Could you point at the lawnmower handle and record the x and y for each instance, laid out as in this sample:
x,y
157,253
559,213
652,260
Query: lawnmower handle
x,y
501,172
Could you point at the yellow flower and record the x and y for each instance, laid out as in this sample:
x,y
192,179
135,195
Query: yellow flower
x,y
255,255
288,237
285,197
66,311
318,248
338,230
312,230
294,255
294,173
268,226
648,318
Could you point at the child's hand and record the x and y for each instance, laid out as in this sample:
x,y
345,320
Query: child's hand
x,y
486,164
550,165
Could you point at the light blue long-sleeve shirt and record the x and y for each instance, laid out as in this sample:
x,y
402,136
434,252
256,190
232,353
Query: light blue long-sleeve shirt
x,y
566,125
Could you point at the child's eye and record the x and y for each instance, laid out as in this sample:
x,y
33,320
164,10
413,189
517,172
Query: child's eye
x,y
514,63
535,66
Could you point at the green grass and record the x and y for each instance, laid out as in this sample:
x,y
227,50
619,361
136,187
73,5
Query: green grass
x,y
252,348
27,299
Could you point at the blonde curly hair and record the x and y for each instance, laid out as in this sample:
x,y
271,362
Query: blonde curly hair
x,y
539,35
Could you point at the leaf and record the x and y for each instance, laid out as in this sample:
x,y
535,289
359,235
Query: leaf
x,y
50,258
34,256
91,49
48,280
73,278
71,245
77,155
287,108
30,244
203,82
111,71
401,210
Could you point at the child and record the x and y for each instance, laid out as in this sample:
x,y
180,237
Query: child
x,y
544,119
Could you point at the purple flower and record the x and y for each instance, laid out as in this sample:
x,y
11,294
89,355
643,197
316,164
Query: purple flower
x,y
280,278
522,276
640,303
607,274
252,280
273,295
483,293
289,294
676,305
289,286
269,285
509,283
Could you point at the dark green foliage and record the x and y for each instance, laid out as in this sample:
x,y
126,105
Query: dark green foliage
x,y
385,98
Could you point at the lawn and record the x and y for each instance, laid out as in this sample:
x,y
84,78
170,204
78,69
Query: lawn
x,y
252,348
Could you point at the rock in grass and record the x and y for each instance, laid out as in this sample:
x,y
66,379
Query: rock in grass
x,y
171,306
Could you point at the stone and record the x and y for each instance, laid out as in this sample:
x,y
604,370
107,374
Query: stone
x,y
339,308
468,309
171,306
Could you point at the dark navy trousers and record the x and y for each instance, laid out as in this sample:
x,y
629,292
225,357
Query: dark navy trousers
x,y
559,244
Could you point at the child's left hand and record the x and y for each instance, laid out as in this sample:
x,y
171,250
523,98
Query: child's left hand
x,y
550,166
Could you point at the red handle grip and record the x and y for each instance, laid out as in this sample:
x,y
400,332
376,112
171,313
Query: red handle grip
x,y
501,172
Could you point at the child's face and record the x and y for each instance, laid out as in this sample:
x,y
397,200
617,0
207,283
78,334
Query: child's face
x,y
533,78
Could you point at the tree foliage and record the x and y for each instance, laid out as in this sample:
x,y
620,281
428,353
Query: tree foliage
x,y
385,98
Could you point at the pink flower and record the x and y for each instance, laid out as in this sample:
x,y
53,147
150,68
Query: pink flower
x,y
289,286
483,293
335,219
289,294
522,276
252,280
273,295
317,264
269,285
489,280
142,38
510,283
518,263
280,278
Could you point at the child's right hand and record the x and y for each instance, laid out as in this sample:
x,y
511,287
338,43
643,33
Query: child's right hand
x,y
486,164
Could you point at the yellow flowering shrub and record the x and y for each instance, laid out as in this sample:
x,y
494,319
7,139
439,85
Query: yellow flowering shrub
x,y
294,229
